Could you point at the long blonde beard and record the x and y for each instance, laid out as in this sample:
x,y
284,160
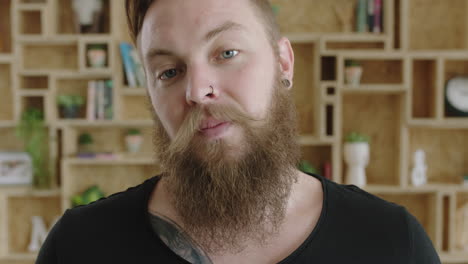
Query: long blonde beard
x,y
224,202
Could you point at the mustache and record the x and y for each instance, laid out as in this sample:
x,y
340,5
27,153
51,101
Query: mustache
x,y
191,124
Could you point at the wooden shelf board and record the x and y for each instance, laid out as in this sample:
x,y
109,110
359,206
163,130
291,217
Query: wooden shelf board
x,y
28,191
456,257
125,160
105,123
375,88
19,257
133,91
309,140
438,123
6,58
7,124
46,40
30,6
33,92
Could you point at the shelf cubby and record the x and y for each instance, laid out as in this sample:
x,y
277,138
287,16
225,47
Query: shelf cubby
x,y
6,91
460,239
67,22
436,25
328,68
140,105
317,155
20,211
446,153
110,140
354,45
36,102
33,82
10,142
54,56
424,99
5,27
381,71
304,90
422,205
110,178
384,131
31,22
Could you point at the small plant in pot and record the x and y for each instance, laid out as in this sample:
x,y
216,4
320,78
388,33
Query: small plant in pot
x,y
85,141
353,73
70,105
356,155
97,55
133,140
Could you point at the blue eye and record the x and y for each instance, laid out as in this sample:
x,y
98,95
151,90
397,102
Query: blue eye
x,y
169,74
229,54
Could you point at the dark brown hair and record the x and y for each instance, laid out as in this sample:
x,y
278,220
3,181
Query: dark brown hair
x,y
136,11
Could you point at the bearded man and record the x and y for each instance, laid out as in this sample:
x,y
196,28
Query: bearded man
x,y
219,76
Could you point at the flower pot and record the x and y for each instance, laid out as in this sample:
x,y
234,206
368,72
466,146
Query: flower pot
x,y
133,143
356,155
353,75
72,111
97,58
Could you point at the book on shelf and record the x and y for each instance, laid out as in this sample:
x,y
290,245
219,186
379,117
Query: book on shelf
x,y
134,72
100,100
369,16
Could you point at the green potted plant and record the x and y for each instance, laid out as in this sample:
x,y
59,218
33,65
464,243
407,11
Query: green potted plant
x,y
306,167
356,154
70,105
353,73
85,141
32,130
97,55
90,195
133,140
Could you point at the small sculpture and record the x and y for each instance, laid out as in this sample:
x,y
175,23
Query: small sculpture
x,y
356,155
39,232
418,174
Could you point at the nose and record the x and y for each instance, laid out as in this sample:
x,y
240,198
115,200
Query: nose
x,y
200,86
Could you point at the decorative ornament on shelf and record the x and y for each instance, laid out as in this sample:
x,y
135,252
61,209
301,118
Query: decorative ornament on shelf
x,y
353,73
15,168
87,15
97,55
39,232
70,105
456,97
133,140
418,174
344,11
356,155
33,132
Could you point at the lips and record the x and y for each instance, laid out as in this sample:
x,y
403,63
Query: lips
x,y
210,123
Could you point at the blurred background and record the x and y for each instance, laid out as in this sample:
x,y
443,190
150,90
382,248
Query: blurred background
x,y
381,88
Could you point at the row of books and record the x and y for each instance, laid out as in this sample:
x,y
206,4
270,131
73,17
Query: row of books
x,y
134,73
100,102
369,15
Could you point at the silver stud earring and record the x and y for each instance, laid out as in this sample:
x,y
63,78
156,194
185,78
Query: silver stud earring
x,y
286,83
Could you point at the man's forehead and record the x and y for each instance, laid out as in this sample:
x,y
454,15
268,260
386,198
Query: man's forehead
x,y
169,18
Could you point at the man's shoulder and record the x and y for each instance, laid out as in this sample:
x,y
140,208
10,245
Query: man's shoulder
x,y
116,207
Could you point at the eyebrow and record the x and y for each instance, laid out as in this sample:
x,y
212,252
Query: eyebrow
x,y
227,26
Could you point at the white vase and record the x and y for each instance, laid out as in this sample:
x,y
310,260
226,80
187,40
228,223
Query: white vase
x,y
353,75
85,10
133,143
356,156
38,233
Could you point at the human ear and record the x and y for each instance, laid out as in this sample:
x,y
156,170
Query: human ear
x,y
286,60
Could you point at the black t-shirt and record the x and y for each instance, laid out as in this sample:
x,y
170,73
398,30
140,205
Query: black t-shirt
x,y
354,227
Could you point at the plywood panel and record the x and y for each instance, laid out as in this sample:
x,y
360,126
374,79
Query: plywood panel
x,y
9,141
50,57
6,91
317,156
5,27
31,22
377,116
446,153
438,24
382,71
424,89
304,89
136,107
314,15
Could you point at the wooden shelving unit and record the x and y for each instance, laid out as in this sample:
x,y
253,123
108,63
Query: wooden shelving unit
x,y
400,104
